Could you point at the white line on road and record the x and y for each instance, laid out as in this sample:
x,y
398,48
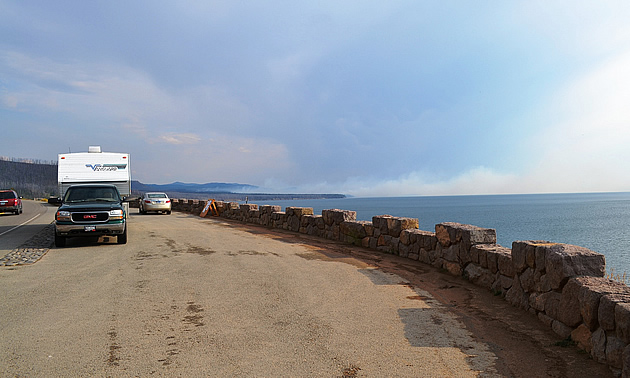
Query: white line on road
x,y
19,225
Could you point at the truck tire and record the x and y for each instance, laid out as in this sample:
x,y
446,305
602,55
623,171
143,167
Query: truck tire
x,y
60,241
122,238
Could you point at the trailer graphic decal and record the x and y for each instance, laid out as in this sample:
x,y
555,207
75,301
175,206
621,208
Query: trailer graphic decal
x,y
106,167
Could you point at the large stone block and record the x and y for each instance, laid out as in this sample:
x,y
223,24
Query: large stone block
x,y
354,229
503,283
268,209
246,207
551,303
524,254
563,261
488,255
453,268
582,336
449,233
569,312
299,211
622,321
527,280
479,276
606,312
403,250
393,226
626,362
544,319
614,352
293,222
599,345
536,302
504,261
405,237
450,253
481,253
561,329
380,223
336,216
591,291
427,239
516,296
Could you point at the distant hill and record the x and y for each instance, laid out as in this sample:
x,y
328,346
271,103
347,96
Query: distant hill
x,y
212,187
29,179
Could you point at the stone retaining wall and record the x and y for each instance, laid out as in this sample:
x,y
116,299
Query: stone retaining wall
x,y
563,285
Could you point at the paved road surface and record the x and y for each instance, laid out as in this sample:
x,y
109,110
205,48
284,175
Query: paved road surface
x,y
202,297
193,297
16,229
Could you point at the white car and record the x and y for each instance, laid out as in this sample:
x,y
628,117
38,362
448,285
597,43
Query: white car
x,y
158,202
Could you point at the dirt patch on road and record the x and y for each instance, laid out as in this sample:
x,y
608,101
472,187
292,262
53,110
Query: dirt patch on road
x,y
524,346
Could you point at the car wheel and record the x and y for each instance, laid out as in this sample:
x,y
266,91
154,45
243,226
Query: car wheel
x,y
122,238
60,241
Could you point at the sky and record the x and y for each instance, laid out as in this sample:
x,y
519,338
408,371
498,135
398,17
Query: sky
x,y
365,98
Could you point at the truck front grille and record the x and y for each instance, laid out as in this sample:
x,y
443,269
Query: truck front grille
x,y
90,217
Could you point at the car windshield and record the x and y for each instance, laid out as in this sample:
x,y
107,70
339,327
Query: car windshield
x,y
156,195
91,194
7,195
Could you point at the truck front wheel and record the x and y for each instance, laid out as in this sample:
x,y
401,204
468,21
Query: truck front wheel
x,y
60,241
122,238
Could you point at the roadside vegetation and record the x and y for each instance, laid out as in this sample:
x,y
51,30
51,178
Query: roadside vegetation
x,y
615,276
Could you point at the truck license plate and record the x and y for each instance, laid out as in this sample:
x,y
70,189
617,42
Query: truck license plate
x,y
89,228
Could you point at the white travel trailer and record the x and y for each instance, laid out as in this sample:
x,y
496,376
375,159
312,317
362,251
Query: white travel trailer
x,y
94,166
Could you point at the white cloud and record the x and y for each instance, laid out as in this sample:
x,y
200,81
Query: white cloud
x,y
585,147
181,138
477,180
581,28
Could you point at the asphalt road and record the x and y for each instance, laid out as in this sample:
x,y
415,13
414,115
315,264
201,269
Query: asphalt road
x,y
16,229
198,297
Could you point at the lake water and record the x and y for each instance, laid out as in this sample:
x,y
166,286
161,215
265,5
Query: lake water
x,y
598,221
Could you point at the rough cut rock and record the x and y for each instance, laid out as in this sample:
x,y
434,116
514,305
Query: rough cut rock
x,y
563,261
452,233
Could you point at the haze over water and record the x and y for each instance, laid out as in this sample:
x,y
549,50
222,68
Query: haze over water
x,y
598,221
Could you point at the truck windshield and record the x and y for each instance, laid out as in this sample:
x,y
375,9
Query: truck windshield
x,y
90,194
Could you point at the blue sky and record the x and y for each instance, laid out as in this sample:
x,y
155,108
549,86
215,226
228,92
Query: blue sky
x,y
367,98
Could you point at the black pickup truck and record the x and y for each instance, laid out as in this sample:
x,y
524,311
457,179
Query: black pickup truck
x,y
91,210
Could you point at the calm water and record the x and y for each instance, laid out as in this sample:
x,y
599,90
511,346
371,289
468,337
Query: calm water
x,y
598,221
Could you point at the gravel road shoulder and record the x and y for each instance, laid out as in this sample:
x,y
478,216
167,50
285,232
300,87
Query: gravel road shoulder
x,y
32,250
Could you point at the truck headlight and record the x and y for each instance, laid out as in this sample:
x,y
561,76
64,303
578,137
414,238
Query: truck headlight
x,y
116,214
63,216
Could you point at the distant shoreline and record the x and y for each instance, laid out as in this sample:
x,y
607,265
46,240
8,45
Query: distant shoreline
x,y
252,196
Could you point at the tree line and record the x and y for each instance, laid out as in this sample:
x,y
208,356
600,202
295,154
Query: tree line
x,y
29,178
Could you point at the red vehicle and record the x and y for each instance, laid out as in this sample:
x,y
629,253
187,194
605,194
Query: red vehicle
x,y
10,202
